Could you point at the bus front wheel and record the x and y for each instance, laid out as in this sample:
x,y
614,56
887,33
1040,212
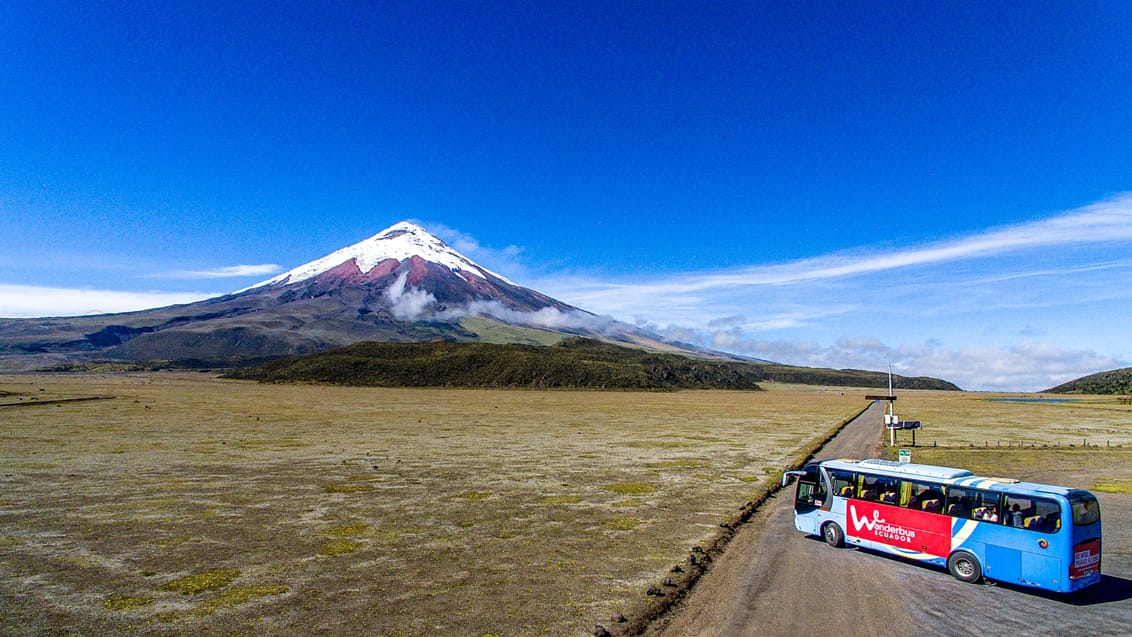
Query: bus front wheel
x,y
965,566
833,535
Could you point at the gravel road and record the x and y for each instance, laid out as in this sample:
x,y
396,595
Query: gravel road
x,y
773,580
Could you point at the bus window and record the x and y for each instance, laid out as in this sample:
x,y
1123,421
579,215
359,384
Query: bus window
x,y
1035,514
877,488
886,490
959,500
1086,510
842,483
866,487
985,506
920,495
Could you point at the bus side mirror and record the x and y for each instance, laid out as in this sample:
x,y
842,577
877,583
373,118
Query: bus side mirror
x,y
787,475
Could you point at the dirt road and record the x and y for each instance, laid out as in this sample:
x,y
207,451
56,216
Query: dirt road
x,y
775,581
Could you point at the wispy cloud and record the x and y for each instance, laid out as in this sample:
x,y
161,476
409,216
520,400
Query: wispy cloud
x,y
506,260
1109,221
227,272
25,301
840,310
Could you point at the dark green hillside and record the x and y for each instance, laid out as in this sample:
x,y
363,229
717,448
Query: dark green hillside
x,y
847,378
575,363
572,364
1117,381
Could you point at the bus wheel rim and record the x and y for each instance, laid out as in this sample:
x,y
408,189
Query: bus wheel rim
x,y
965,567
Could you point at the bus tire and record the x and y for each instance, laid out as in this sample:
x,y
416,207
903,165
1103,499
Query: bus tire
x,y
833,535
965,567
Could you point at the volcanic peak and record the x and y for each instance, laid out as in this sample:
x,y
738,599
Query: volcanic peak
x,y
400,242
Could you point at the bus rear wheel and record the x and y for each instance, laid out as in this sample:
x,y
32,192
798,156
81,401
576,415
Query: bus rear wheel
x,y
833,535
965,567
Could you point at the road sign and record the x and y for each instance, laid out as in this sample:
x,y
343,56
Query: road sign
x,y
905,455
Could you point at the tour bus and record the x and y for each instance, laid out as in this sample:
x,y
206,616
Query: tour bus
x,y
1002,529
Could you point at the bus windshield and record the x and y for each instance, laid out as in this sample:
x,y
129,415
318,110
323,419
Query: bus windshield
x,y
1086,509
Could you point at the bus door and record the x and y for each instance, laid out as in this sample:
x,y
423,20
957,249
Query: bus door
x,y
808,499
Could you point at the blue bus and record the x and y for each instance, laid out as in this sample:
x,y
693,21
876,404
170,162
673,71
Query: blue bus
x,y
1006,530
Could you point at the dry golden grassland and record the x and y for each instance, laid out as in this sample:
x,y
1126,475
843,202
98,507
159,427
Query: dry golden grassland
x,y
962,419
1084,443
187,504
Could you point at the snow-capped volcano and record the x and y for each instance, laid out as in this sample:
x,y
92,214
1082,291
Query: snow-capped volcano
x,y
402,284
405,273
398,242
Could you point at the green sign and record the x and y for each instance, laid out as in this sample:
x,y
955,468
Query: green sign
x,y
905,455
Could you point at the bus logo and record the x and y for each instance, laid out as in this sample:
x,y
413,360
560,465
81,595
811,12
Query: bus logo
x,y
864,521
878,527
1086,558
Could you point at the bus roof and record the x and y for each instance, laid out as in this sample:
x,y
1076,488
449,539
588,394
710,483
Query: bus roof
x,y
950,475
904,469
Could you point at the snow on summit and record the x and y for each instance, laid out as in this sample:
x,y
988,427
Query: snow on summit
x,y
400,241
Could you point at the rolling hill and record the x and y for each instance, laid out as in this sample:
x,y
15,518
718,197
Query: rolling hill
x,y
575,363
1117,381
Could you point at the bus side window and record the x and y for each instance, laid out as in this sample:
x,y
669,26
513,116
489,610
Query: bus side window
x,y
886,489
1016,510
866,487
917,495
842,483
985,506
1048,514
1035,514
959,502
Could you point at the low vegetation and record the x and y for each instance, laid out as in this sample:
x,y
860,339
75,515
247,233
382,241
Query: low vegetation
x,y
201,582
575,363
1117,381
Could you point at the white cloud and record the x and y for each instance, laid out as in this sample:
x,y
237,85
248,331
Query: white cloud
x,y
26,301
231,271
408,303
547,317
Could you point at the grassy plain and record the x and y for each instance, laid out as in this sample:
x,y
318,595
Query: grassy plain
x,y
1085,442
185,504
953,419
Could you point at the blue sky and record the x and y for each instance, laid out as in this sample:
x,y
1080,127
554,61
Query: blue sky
x,y
940,187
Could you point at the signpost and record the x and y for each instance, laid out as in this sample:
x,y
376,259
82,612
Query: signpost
x,y
892,422
904,455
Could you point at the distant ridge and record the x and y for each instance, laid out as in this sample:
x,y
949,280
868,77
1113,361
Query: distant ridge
x,y
575,363
1117,381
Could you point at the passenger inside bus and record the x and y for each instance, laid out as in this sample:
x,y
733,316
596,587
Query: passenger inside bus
x,y
985,513
1035,514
